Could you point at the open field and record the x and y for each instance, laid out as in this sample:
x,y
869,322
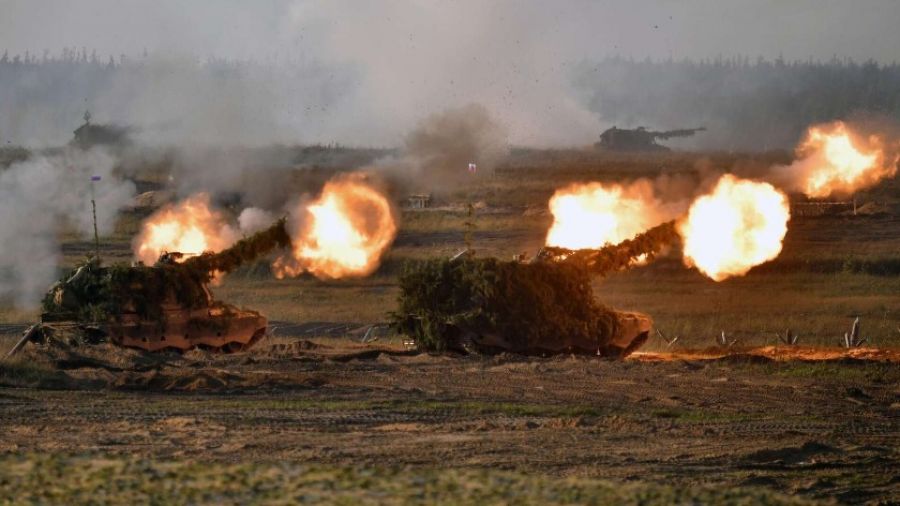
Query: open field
x,y
300,417
312,410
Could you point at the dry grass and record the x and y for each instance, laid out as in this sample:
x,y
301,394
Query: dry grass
x,y
119,480
308,299
818,307
10,313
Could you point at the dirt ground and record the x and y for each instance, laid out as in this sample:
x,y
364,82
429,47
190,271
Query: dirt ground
x,y
818,424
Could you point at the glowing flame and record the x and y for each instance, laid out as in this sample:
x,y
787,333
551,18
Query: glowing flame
x,y
835,160
592,215
191,226
342,233
737,226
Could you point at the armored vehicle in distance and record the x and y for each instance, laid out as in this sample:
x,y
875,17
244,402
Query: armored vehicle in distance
x,y
639,139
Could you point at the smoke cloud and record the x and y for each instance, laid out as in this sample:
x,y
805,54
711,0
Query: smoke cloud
x,y
445,143
257,175
252,220
39,198
436,154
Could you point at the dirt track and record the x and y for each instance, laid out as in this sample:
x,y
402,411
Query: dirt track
x,y
820,429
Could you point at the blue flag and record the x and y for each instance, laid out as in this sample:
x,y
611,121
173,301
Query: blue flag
x,y
95,178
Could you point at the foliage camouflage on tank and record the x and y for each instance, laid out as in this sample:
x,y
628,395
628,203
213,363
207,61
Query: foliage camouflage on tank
x,y
486,305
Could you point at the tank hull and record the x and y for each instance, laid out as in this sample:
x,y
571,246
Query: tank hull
x,y
631,331
222,328
181,329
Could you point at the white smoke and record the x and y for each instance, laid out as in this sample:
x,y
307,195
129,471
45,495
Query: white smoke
x,y
42,197
420,58
348,72
253,219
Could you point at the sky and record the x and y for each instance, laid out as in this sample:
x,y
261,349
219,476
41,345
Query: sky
x,y
285,28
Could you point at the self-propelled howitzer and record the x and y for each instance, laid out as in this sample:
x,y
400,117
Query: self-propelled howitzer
x,y
545,306
640,139
164,306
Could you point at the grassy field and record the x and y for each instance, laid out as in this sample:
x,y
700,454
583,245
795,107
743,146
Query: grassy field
x,y
103,480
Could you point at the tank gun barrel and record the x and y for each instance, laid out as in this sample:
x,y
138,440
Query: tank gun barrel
x,y
615,257
246,250
684,132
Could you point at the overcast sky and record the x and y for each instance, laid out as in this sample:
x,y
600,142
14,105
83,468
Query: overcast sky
x,y
659,28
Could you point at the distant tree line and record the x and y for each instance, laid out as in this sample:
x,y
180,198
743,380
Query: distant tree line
x,y
759,104
72,56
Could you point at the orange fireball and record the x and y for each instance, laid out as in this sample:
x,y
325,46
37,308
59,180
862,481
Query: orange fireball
x,y
835,160
342,233
592,215
738,225
191,226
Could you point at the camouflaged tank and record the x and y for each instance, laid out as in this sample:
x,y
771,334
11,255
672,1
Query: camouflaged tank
x,y
164,306
542,307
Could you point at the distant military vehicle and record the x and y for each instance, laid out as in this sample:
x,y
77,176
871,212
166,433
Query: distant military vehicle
x,y
89,135
639,139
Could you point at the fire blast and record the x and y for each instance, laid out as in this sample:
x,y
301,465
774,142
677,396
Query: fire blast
x,y
342,233
191,226
737,226
836,160
593,215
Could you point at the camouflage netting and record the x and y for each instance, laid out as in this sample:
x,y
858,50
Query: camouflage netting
x,y
443,300
93,293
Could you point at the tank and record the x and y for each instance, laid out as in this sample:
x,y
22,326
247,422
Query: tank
x,y
639,139
542,307
164,306
89,135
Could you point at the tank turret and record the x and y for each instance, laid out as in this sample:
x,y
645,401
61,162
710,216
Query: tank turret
x,y
164,306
